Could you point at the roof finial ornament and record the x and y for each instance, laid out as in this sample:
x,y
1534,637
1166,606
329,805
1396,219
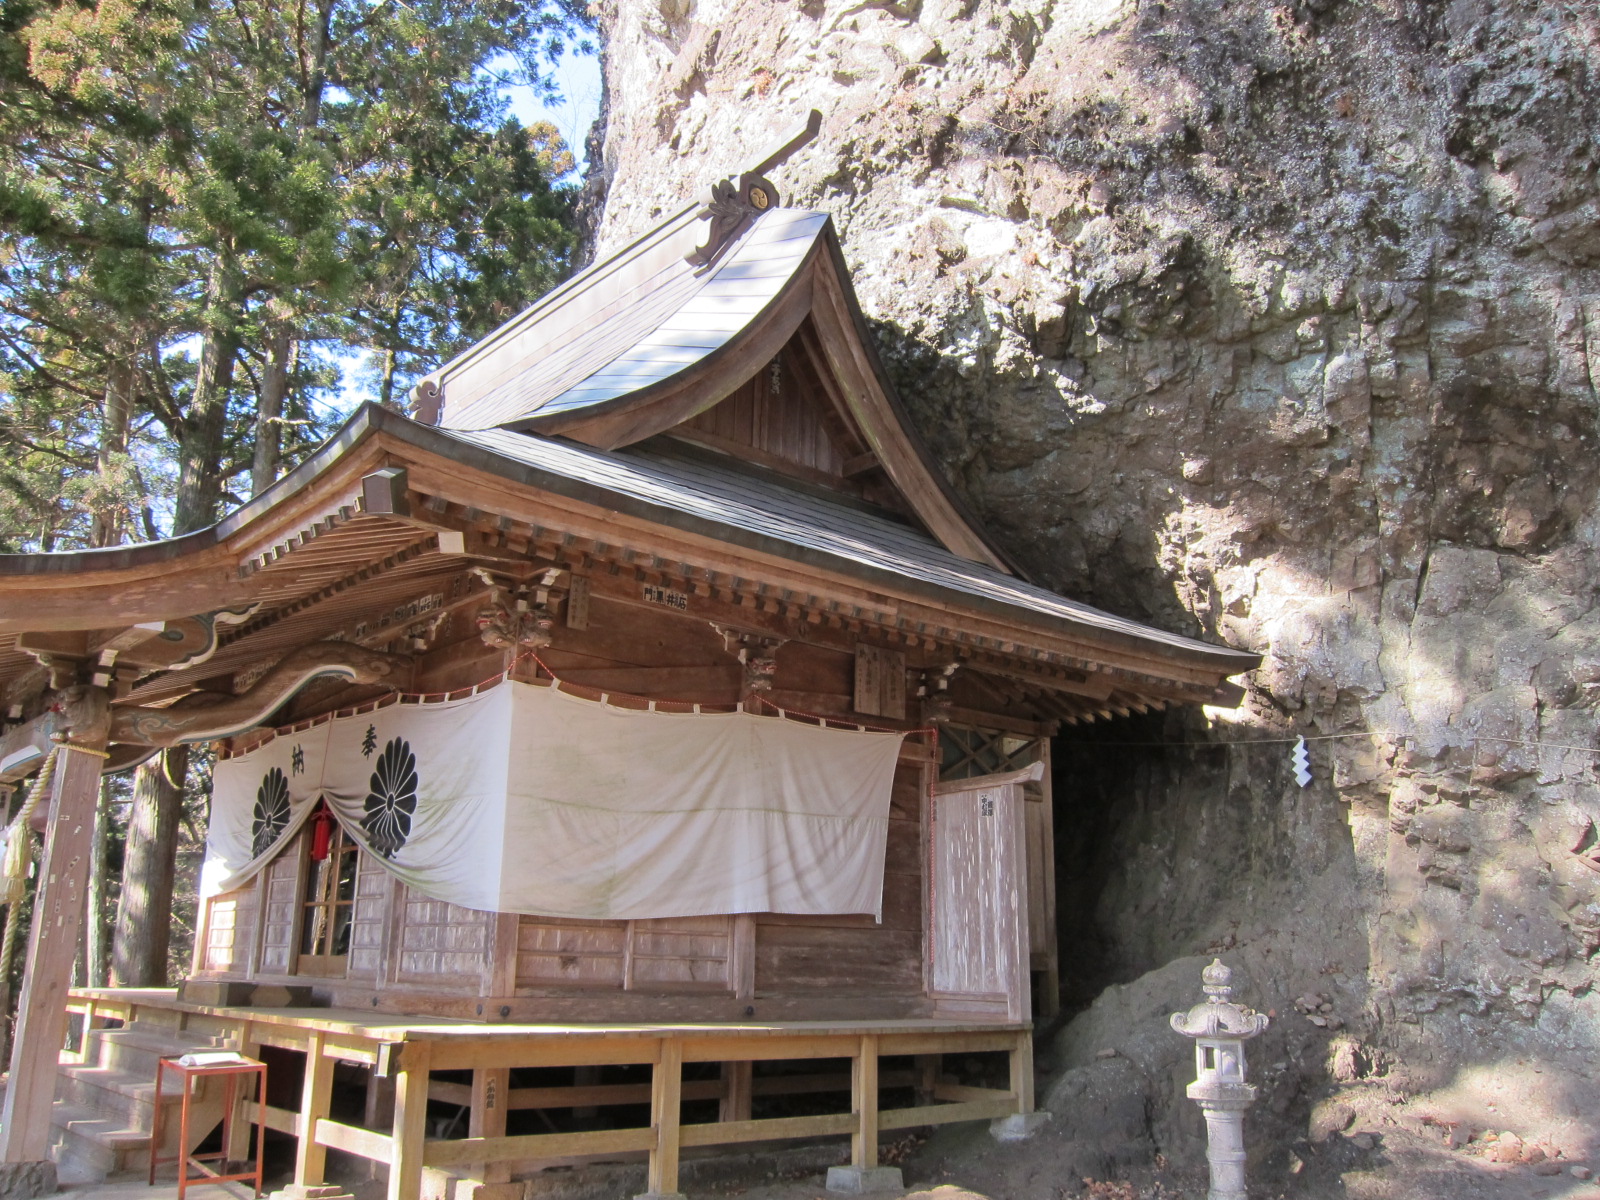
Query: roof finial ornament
x,y
731,204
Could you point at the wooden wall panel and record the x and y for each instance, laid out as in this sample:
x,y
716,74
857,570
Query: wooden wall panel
x,y
797,959
439,940
556,952
369,916
789,422
227,936
854,954
280,885
679,953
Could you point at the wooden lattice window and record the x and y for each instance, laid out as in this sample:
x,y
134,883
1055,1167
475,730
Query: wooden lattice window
x,y
966,752
327,907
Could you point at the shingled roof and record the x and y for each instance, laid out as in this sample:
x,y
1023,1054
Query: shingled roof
x,y
585,399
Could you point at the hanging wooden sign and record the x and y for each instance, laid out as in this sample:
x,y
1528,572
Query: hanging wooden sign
x,y
880,682
578,603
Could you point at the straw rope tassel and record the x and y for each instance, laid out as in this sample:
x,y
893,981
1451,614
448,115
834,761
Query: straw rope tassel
x,y
19,844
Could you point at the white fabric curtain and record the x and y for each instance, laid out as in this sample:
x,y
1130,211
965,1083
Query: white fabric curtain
x,y
526,799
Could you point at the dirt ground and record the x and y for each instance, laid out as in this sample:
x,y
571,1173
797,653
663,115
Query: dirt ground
x,y
1411,1159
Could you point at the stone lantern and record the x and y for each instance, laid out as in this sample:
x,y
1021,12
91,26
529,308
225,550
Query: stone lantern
x,y
1220,1029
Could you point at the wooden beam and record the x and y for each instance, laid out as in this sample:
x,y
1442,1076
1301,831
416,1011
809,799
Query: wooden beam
x,y
364,1143
491,1088
278,1119
310,1158
988,720
1022,1072
41,1025
722,1133
462,1151
737,1081
945,1114
742,956
666,1113
864,1103
410,1123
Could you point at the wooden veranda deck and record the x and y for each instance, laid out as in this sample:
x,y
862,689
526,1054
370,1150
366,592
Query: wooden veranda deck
x,y
408,1050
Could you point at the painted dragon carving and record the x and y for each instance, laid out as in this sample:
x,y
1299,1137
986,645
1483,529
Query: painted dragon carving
x,y
206,715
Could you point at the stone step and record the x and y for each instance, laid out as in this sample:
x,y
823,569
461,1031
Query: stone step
x,y
88,1146
125,1095
136,1048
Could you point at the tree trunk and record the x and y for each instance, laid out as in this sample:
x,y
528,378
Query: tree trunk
x,y
94,930
110,521
201,434
144,916
269,415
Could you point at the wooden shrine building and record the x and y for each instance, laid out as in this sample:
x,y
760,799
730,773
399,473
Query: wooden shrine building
x,y
643,736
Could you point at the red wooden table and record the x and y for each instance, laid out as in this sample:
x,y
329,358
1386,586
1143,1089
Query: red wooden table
x,y
231,1073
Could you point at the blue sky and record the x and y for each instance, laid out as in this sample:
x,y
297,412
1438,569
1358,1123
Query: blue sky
x,y
578,77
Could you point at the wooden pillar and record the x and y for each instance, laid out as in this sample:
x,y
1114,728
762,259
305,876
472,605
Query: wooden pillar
x,y
864,1098
583,1077
490,1093
1050,992
311,1157
666,1103
52,946
378,1114
242,1129
1022,1072
737,1087
410,1122
742,956
927,1076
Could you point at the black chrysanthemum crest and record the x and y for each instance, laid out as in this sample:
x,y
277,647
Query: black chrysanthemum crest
x,y
391,799
271,812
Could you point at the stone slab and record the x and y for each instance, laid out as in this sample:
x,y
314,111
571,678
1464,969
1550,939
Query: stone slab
x,y
1018,1127
856,1181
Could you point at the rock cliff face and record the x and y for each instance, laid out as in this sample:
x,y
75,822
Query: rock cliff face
x,y
1279,324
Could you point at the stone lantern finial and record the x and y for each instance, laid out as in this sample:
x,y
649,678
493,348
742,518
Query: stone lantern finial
x,y
1220,1029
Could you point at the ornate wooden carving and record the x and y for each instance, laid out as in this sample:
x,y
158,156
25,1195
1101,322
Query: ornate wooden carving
x,y
757,653
212,714
519,619
730,207
733,203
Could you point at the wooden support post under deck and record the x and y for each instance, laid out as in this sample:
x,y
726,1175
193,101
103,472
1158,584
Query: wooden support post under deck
x,y
243,1127
864,1100
491,1092
666,1102
410,1122
58,910
738,1085
311,1157
1022,1072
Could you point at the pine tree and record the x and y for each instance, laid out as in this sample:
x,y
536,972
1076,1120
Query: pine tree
x,y
198,206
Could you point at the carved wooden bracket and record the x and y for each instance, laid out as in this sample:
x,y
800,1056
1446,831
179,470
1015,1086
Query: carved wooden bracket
x,y
523,619
207,715
82,714
757,654
934,692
